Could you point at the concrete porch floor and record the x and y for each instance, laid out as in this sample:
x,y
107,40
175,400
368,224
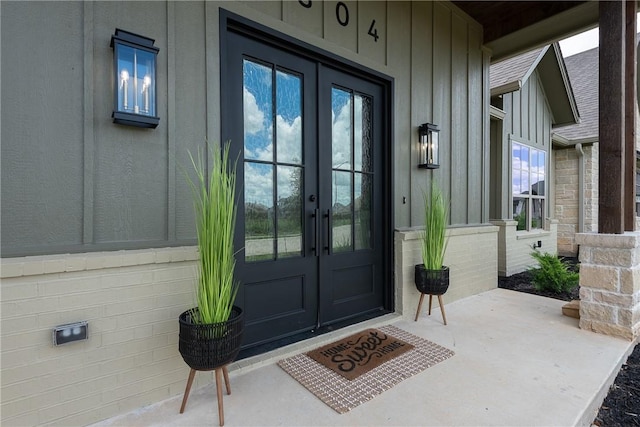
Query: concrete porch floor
x,y
518,361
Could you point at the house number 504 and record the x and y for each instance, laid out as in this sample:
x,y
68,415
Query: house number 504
x,y
342,16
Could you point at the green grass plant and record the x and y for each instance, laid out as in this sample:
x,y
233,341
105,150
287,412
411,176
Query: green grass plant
x,y
434,240
552,274
215,209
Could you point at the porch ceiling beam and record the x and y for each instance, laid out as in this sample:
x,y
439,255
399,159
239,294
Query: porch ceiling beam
x,y
611,117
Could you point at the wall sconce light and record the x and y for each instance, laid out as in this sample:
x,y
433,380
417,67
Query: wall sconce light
x,y
428,146
134,61
70,332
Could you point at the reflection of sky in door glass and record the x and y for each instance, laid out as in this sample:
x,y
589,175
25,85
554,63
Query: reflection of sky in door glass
x,y
259,97
341,129
289,110
258,113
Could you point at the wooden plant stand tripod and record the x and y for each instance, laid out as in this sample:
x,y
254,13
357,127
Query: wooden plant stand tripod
x,y
220,372
444,318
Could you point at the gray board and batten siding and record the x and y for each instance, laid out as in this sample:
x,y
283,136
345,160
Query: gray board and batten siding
x,y
73,181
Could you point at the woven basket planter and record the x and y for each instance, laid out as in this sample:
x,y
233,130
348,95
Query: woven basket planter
x,y
209,346
432,282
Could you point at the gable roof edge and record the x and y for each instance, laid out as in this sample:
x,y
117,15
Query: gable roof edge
x,y
535,63
567,82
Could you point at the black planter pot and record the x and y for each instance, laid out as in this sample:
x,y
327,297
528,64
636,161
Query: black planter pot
x,y
209,346
432,282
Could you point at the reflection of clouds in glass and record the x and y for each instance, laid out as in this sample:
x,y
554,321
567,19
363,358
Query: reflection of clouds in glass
x,y
357,132
341,129
516,185
528,168
289,136
519,164
257,130
258,117
258,184
253,117
288,120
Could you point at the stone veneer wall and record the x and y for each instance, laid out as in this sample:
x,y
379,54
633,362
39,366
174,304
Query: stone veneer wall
x,y
567,199
131,299
515,247
471,255
592,158
567,196
610,283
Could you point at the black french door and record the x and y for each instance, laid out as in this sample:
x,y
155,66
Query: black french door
x,y
310,222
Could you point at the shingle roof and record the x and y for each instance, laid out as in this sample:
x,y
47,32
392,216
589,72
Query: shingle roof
x,y
583,73
511,74
514,69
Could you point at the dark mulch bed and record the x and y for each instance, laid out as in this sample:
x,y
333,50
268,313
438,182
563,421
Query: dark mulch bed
x,y
621,407
522,282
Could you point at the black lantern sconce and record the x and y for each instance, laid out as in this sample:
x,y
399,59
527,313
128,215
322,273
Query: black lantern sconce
x,y
428,146
134,62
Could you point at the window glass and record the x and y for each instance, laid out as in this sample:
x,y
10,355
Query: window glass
x,y
528,171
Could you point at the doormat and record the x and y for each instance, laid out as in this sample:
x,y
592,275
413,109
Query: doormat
x,y
343,394
359,353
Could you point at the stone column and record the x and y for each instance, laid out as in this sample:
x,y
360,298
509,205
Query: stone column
x,y
610,283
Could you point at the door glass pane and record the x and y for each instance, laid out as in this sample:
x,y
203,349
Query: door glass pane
x,y
341,129
289,211
259,213
362,210
258,111
288,118
342,205
362,133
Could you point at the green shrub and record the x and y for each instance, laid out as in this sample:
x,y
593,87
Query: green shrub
x,y
553,274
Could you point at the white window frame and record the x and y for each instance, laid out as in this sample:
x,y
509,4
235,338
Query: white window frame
x,y
533,176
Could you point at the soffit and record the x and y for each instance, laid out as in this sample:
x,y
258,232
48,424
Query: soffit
x,y
513,27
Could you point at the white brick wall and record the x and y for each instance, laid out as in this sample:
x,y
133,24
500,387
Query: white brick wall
x,y
471,256
515,247
131,299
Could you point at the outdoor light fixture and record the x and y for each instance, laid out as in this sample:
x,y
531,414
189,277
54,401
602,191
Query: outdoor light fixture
x,y
428,146
70,332
134,62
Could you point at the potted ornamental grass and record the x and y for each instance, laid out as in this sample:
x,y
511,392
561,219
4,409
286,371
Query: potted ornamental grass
x,y
432,276
211,332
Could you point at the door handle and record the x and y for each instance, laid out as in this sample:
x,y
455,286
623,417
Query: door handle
x,y
316,232
328,217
